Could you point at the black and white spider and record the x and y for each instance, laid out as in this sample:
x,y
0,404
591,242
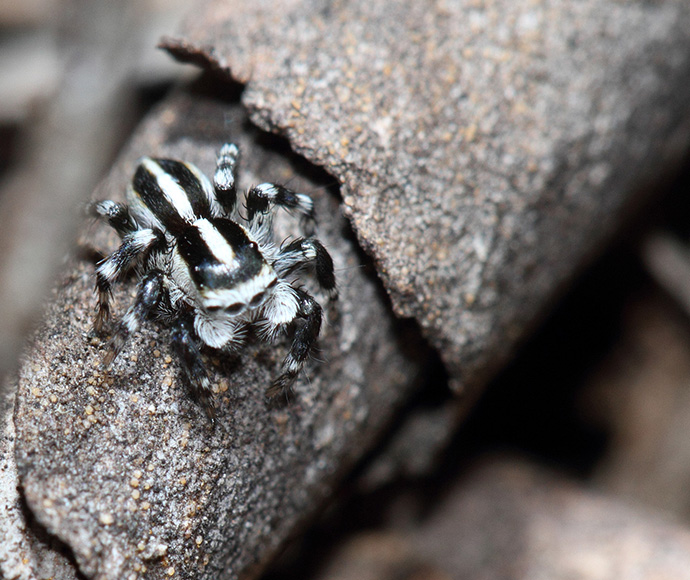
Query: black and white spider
x,y
209,272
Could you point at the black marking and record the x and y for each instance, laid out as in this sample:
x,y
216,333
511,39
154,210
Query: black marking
x,y
148,189
117,214
257,299
210,273
196,194
323,264
261,196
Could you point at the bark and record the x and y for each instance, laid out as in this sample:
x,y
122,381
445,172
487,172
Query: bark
x,y
485,150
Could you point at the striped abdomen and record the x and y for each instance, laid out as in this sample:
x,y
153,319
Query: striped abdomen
x,y
168,195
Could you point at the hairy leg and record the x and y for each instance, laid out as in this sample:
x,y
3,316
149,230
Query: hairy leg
x,y
115,213
150,293
262,198
134,247
224,179
304,252
307,321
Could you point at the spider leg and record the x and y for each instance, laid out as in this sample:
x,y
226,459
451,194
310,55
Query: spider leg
x,y
186,343
308,251
307,320
133,247
260,200
224,179
151,292
117,215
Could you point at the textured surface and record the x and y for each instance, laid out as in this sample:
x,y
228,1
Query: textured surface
x,y
485,148
26,551
126,469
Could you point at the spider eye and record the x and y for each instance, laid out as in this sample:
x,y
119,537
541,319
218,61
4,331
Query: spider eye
x,y
234,308
213,308
258,298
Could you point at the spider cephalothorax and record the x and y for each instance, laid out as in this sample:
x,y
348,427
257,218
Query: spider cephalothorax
x,y
207,271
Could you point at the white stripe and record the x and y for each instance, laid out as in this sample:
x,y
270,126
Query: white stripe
x,y
242,293
175,194
218,245
108,270
206,185
142,238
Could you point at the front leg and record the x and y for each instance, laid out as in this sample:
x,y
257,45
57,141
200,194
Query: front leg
x,y
307,320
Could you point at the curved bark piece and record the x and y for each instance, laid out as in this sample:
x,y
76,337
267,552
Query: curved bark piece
x,y
486,149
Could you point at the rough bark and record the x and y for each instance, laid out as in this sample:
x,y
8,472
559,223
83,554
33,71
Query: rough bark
x,y
485,149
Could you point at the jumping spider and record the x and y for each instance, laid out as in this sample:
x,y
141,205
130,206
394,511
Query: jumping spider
x,y
208,271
